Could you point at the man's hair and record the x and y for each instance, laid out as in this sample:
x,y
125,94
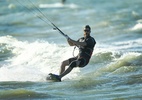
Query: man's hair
x,y
87,26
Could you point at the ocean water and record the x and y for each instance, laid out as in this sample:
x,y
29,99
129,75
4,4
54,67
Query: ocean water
x,y
30,49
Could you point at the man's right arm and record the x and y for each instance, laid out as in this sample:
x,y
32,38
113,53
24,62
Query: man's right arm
x,y
70,43
76,43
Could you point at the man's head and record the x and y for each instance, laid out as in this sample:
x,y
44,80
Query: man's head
x,y
87,31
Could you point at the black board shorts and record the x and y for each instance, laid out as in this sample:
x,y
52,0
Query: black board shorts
x,y
83,61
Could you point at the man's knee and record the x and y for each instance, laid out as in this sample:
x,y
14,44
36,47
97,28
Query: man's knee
x,y
66,62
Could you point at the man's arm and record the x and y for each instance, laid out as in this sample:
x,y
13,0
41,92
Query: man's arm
x,y
70,43
73,43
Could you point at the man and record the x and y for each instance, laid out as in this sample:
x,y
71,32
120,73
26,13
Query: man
x,y
85,45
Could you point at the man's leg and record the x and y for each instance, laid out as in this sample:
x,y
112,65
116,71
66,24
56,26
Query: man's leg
x,y
66,72
63,65
69,69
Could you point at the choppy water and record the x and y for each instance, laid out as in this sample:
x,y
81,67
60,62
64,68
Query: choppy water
x,y
30,49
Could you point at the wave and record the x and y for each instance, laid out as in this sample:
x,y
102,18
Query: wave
x,y
21,94
125,70
102,57
32,60
127,63
137,27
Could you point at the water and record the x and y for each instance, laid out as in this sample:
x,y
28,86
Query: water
x,y
30,49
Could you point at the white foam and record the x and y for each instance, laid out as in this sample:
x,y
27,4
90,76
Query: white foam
x,y
58,5
33,61
137,27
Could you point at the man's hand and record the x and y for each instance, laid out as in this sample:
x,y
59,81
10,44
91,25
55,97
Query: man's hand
x,y
70,42
67,37
76,43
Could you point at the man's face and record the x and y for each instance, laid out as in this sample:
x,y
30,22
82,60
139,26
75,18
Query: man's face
x,y
86,32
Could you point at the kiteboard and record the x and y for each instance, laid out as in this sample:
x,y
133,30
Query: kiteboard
x,y
53,78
